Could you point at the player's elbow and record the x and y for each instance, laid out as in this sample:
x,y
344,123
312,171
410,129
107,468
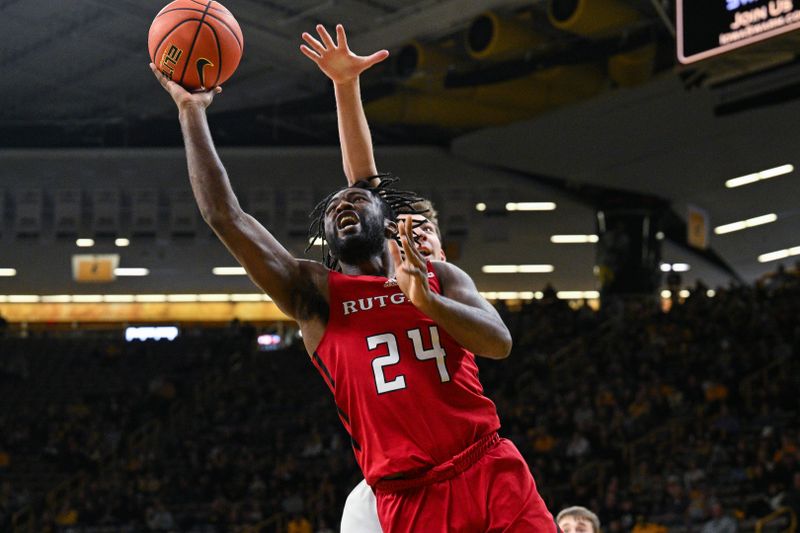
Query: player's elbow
x,y
501,348
219,216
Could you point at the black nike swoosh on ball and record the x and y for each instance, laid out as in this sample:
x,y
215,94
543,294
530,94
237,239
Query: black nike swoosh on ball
x,y
201,65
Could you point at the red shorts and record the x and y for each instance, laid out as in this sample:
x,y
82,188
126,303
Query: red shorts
x,y
495,494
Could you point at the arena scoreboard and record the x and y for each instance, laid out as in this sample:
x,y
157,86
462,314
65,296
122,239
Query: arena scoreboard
x,y
706,28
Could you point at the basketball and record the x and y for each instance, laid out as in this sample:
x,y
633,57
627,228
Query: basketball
x,y
196,43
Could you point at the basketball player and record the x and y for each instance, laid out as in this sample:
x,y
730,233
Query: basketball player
x,y
393,337
344,68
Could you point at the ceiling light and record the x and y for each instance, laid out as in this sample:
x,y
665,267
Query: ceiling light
x,y
8,272
758,176
56,299
122,242
666,293
744,224
251,297
84,243
577,295
214,297
87,298
23,299
675,267
711,293
181,298
516,269
530,206
480,206
228,271
780,254
316,242
118,298
684,293
150,298
131,272
573,239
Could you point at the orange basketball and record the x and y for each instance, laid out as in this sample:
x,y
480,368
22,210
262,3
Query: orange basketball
x,y
196,43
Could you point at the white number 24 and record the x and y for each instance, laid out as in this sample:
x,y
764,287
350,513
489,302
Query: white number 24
x,y
393,357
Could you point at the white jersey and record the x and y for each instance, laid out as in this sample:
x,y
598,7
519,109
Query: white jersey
x,y
360,513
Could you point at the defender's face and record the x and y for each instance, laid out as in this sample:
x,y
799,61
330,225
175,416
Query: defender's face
x,y
572,524
426,237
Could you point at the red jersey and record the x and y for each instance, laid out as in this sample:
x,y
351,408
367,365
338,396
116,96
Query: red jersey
x,y
407,393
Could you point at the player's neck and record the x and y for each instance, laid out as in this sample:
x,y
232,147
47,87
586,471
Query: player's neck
x,y
379,265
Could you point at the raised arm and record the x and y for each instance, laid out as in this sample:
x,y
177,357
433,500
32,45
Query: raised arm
x,y
463,313
344,68
297,287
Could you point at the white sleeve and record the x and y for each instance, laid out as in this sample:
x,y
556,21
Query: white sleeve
x,y
360,513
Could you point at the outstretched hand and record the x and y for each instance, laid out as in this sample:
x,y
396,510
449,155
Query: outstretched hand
x,y
410,268
182,97
335,59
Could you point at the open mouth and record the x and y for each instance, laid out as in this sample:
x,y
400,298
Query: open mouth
x,y
346,219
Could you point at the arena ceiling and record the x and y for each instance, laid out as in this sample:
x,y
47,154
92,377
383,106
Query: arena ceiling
x,y
77,76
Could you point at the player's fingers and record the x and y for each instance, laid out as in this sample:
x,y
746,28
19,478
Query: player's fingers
x,y
326,37
341,36
313,43
159,76
217,90
377,57
408,232
394,250
408,250
313,56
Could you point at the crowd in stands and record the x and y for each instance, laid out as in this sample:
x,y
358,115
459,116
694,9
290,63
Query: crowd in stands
x,y
680,419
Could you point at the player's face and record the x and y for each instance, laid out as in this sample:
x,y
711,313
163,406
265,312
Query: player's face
x,y
425,237
572,524
354,226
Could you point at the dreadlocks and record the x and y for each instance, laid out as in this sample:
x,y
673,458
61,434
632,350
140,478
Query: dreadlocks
x,y
394,202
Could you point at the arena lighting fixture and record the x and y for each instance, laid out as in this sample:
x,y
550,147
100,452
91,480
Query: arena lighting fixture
x,y
228,271
133,272
480,206
56,299
144,333
744,224
247,297
758,176
122,242
711,293
23,298
573,239
84,243
317,241
780,254
511,295
577,295
149,298
118,298
530,206
675,267
87,298
684,293
517,269
214,297
182,298
666,293
8,272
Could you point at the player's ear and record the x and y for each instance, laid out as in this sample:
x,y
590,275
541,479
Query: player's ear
x,y
442,256
390,229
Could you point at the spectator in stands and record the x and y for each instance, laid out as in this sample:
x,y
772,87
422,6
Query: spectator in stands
x,y
720,521
578,519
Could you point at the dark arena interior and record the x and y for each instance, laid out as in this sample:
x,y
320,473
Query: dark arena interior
x,y
617,177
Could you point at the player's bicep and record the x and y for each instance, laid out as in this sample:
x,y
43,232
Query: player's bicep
x,y
458,286
267,262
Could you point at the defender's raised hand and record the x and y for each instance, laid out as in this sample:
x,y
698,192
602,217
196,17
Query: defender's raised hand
x,y
182,97
335,59
410,268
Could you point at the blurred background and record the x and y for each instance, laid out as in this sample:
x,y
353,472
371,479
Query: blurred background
x,y
618,176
